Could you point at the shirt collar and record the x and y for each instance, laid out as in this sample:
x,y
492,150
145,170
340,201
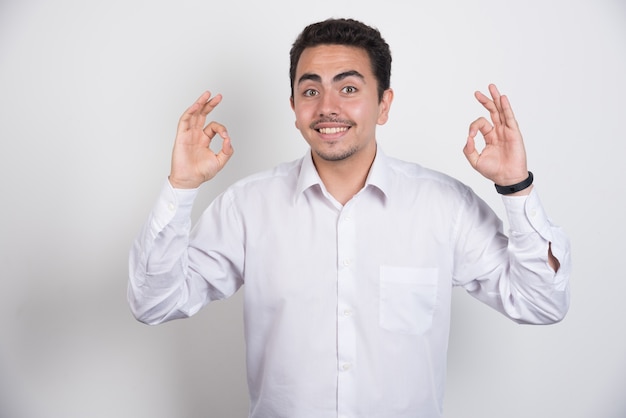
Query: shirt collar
x,y
379,175
308,176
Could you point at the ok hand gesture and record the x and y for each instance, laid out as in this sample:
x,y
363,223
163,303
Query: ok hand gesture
x,y
193,161
503,159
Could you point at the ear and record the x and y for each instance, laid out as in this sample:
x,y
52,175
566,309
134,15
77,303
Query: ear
x,y
384,107
293,107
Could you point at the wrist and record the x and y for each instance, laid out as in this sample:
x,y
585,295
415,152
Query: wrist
x,y
519,188
177,184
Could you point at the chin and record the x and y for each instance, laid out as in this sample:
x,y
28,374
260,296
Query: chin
x,y
338,155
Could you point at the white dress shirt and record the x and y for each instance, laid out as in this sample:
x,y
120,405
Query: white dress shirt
x,y
347,308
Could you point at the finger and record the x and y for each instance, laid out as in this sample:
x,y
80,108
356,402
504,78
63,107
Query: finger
x,y
507,112
215,128
199,117
188,118
225,153
497,100
490,106
470,151
210,104
483,126
222,157
195,115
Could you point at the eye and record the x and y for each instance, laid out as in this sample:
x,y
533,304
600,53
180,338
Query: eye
x,y
310,93
349,90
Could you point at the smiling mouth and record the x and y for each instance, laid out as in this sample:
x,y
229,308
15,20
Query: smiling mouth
x,y
334,130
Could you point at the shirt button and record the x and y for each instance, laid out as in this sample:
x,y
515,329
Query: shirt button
x,y
346,262
532,213
171,206
346,366
347,312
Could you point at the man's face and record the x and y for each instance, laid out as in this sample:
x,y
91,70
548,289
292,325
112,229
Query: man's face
x,y
336,102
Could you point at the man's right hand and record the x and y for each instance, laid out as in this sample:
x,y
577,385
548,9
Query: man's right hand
x,y
193,161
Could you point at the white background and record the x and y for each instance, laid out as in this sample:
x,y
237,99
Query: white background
x,y
90,94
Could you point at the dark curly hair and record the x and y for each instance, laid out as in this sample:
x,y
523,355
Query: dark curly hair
x,y
347,32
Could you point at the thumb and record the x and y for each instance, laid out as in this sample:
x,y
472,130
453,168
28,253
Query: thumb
x,y
226,152
470,152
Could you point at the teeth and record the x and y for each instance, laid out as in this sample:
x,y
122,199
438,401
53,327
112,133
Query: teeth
x,y
328,131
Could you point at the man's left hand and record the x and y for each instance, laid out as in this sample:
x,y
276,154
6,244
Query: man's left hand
x,y
503,159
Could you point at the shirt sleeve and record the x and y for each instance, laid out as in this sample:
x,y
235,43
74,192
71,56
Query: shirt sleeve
x,y
512,273
163,283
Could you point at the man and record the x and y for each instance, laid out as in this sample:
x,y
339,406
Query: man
x,y
348,256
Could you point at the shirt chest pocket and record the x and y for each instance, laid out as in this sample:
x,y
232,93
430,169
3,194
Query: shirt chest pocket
x,y
407,298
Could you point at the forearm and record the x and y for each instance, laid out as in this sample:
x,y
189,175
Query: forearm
x,y
534,291
540,263
514,274
157,280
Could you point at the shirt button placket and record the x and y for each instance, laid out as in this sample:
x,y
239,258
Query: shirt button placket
x,y
346,331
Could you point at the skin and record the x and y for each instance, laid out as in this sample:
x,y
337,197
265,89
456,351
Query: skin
x,y
337,111
503,159
193,162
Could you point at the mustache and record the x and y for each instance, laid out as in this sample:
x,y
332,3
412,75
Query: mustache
x,y
347,122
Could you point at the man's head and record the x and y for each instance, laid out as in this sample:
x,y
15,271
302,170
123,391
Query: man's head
x,y
340,72
347,32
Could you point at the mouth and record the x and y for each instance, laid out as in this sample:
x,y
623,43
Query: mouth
x,y
332,127
332,130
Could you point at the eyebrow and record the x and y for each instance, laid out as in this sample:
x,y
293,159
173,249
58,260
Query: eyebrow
x,y
316,78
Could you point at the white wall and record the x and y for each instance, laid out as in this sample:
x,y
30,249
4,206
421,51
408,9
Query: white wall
x,y
90,94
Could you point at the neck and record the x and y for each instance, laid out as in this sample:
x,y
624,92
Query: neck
x,y
343,179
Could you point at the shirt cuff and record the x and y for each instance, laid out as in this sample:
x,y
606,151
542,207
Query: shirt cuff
x,y
173,205
526,214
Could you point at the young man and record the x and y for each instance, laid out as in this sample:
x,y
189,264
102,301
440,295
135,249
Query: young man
x,y
348,256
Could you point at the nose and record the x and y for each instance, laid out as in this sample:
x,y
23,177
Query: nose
x,y
329,105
